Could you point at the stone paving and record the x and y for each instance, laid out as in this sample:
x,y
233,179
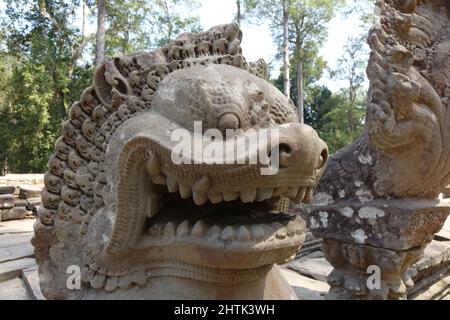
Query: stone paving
x,y
19,278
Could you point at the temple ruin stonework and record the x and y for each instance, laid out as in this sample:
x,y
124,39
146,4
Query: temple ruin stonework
x,y
139,226
377,203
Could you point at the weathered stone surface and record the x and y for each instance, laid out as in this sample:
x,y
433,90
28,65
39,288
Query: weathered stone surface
x,y
393,224
17,226
14,289
118,205
6,201
33,203
444,233
436,290
435,253
353,265
15,246
19,179
12,269
20,203
428,272
305,288
16,252
4,189
31,279
9,239
14,213
446,192
313,265
30,191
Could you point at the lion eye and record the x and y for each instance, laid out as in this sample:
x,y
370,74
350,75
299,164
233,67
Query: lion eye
x,y
228,121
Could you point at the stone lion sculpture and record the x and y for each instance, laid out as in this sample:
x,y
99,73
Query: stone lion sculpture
x,y
138,225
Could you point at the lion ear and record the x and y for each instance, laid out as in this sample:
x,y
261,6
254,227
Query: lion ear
x,y
106,78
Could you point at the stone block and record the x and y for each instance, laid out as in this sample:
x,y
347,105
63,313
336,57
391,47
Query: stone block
x,y
12,269
30,191
4,189
313,265
20,203
17,226
14,289
6,201
33,203
15,213
390,224
19,251
305,288
31,279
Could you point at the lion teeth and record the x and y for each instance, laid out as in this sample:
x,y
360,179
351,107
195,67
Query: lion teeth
x,y
169,229
264,194
300,195
290,228
248,196
155,205
155,230
159,179
215,231
98,281
199,229
309,195
199,198
292,192
215,197
183,229
185,191
228,233
280,230
257,232
202,185
153,165
243,234
172,184
230,196
111,284
279,191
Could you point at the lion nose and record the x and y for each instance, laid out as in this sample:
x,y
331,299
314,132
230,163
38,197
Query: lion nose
x,y
300,146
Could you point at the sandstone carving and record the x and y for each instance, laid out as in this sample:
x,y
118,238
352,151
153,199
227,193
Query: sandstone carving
x,y
141,227
376,203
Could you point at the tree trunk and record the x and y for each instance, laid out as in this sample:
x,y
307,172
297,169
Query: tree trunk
x,y
300,95
238,14
100,43
286,66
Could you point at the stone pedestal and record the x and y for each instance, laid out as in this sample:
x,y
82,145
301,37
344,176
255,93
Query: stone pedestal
x,y
371,244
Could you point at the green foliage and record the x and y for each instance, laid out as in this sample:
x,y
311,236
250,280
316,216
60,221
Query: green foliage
x,y
343,123
46,63
339,118
140,25
167,21
43,71
313,69
40,48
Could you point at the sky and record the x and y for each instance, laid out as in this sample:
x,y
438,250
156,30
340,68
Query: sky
x,y
257,40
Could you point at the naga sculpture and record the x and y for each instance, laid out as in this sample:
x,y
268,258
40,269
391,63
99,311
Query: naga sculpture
x,y
377,201
140,226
